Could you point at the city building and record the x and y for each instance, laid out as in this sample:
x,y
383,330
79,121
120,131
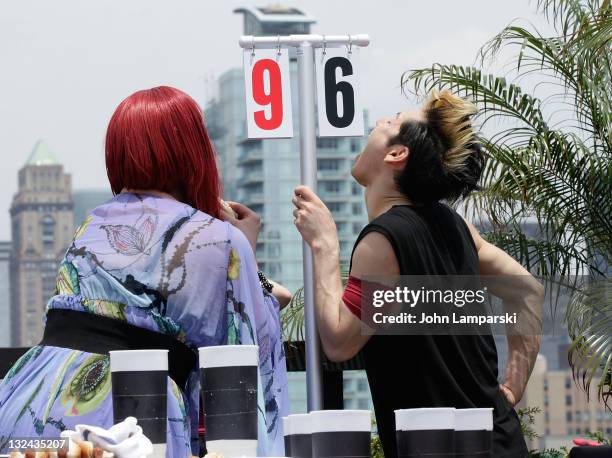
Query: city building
x,y
566,412
42,227
356,391
262,173
86,200
275,20
5,294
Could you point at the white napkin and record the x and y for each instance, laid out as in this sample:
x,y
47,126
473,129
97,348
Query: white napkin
x,y
124,439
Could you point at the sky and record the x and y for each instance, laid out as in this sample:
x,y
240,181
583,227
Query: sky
x,y
66,64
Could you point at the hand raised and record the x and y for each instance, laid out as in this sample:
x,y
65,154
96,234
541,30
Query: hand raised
x,y
246,220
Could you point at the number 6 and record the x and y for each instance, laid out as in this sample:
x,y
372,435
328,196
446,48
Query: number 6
x,y
332,87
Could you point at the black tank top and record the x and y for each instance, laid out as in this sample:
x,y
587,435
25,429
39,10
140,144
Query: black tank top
x,y
443,370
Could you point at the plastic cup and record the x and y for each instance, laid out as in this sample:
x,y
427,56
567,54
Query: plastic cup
x,y
228,375
473,432
298,435
425,431
341,433
140,389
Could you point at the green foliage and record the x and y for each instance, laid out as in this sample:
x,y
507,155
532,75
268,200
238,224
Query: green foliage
x,y
527,418
599,436
376,449
292,316
549,453
549,159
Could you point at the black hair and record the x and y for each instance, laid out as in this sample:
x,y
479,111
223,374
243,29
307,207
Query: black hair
x,y
445,158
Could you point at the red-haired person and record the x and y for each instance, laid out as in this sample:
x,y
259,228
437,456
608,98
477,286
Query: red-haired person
x,y
157,266
411,163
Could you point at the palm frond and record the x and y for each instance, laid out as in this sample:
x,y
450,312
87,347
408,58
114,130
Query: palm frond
x,y
549,159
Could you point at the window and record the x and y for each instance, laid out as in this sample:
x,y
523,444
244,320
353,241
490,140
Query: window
x,y
356,228
568,383
332,186
568,416
355,189
274,269
252,145
356,208
362,385
328,164
363,404
48,232
331,143
568,400
274,235
355,145
334,206
274,249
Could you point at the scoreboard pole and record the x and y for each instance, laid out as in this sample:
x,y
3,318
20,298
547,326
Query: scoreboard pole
x,y
308,174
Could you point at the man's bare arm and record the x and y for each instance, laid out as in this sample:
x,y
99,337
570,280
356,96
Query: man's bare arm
x,y
340,330
522,349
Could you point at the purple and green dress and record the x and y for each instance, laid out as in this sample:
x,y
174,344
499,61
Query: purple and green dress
x,y
161,265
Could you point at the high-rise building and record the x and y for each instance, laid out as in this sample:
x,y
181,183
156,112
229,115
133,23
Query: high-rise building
x,y
262,173
275,20
5,297
565,410
355,387
42,227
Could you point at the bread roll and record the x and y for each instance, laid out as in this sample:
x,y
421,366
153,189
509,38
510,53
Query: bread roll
x,y
227,209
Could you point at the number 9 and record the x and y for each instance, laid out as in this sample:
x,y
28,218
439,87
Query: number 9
x,y
274,98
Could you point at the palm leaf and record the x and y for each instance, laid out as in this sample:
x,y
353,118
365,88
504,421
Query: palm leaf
x,y
549,160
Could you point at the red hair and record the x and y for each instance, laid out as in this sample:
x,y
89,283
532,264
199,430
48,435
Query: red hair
x,y
156,139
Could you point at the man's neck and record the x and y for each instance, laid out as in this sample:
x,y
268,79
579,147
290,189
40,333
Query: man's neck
x,y
379,200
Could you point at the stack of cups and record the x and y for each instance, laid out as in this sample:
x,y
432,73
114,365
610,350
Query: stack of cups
x,y
228,375
341,433
473,432
298,435
140,388
426,431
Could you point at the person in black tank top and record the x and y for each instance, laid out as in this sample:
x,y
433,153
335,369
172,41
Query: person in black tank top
x,y
410,164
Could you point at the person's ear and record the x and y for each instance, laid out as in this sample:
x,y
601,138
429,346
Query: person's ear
x,y
397,155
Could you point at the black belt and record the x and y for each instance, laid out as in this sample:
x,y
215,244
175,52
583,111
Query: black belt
x,y
99,334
